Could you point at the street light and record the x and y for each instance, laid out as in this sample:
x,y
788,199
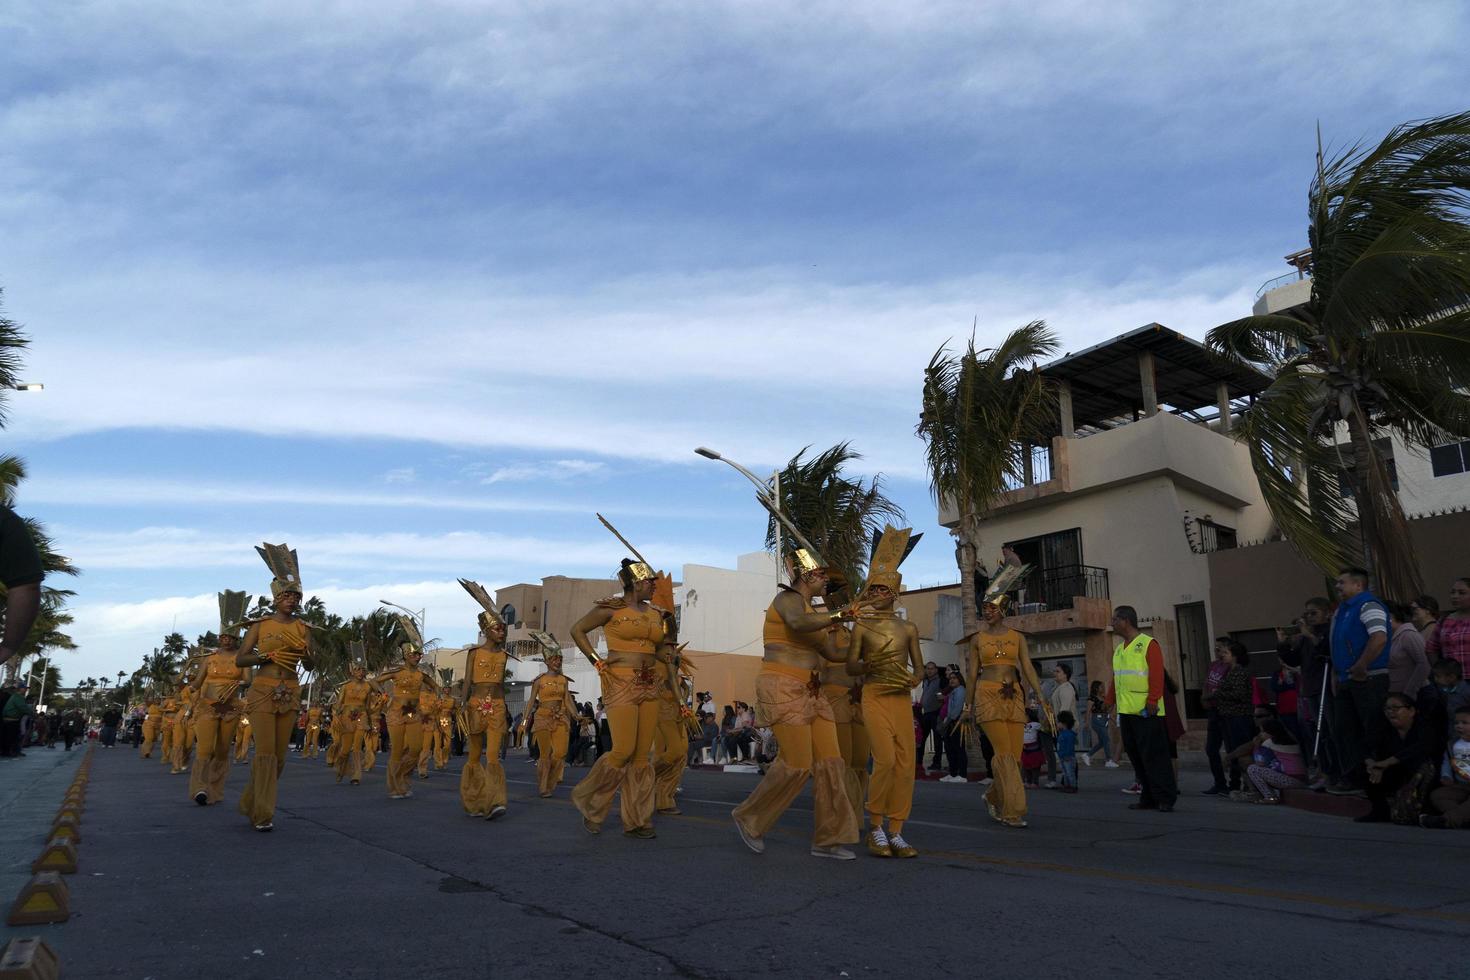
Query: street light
x,y
770,494
29,386
421,616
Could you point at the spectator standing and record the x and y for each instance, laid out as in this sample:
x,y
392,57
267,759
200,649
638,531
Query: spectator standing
x,y
71,728
1031,755
1424,612
111,719
1061,697
929,702
1138,693
1097,718
1308,652
1233,703
1450,801
1451,638
954,737
1400,769
1360,647
1067,750
1215,730
1408,665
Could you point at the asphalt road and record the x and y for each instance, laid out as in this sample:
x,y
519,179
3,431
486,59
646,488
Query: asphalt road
x,y
352,884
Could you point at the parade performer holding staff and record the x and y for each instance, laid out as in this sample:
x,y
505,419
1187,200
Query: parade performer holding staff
x,y
482,712
350,716
998,655
183,721
405,723
638,664
429,721
884,651
217,705
277,645
799,642
444,730
551,709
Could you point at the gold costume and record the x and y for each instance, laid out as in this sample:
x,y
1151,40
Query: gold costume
x,y
429,722
551,728
216,716
271,705
311,746
443,732
242,734
414,692
789,700
166,729
183,733
350,719
152,719
845,698
631,680
670,752
1000,709
482,783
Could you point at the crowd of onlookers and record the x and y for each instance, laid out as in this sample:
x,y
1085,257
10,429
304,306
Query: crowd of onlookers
x,y
1370,699
22,726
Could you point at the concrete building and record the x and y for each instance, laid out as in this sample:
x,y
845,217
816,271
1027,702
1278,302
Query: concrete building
x,y
1141,482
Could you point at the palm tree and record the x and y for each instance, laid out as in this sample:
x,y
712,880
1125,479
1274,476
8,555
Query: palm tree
x,y
983,410
839,515
13,343
1382,348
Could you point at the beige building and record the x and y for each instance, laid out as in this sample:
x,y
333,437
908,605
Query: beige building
x,y
1141,482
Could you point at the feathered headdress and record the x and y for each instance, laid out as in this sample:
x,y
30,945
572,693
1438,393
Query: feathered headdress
x,y
415,639
548,644
357,655
1005,580
487,603
232,607
890,548
285,571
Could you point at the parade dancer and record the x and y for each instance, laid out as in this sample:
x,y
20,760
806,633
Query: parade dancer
x,y
278,645
350,716
217,704
482,712
405,724
552,711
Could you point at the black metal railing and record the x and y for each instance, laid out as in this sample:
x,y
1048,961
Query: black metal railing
x,y
1056,587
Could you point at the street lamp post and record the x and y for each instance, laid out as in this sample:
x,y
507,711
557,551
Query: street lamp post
x,y
769,492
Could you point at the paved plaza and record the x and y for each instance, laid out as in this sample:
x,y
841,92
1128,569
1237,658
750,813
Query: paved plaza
x,y
352,884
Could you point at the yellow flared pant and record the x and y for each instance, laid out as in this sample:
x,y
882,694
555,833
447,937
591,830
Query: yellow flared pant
x,y
166,742
852,739
405,742
1007,793
212,759
551,757
890,722
671,754
272,734
623,767
313,742
242,742
807,752
350,745
482,784
150,733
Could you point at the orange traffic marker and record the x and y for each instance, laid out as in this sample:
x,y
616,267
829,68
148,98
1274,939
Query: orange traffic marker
x,y
66,831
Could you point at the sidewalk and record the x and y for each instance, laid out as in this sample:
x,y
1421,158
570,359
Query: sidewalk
x,y
31,789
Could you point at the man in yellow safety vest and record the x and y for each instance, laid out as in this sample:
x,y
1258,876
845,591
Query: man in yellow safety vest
x,y
1138,691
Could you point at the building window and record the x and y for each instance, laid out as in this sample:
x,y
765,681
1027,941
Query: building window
x,y
1451,459
1215,537
1385,452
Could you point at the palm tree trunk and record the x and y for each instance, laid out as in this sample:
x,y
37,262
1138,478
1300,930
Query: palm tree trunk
x,y
1388,550
965,557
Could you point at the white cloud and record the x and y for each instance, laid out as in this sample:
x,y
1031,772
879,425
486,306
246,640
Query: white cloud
x,y
559,470
403,474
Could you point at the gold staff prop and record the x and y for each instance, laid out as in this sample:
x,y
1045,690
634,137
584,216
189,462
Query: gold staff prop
x,y
626,543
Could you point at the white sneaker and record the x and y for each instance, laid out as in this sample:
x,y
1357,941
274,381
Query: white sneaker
x,y
986,781
751,841
1087,761
1111,764
1046,784
837,852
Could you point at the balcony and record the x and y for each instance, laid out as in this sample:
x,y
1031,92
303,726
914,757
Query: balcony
x,y
1049,589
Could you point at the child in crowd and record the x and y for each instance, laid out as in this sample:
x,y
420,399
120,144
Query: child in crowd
x,y
1032,757
1067,751
1446,694
1450,801
1276,760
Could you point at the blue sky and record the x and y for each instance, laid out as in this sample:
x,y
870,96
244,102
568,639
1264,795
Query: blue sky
x,y
419,287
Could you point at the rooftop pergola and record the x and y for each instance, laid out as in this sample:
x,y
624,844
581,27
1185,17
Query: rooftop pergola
x,y
1143,371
